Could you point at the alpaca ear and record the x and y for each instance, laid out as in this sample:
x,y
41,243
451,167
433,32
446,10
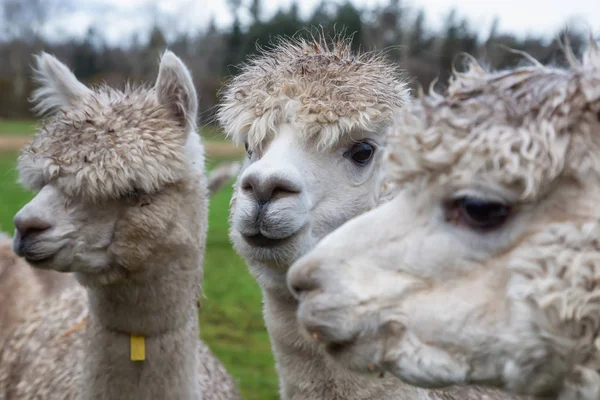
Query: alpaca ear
x,y
58,85
175,89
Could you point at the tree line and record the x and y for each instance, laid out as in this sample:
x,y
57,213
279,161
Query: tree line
x,y
214,54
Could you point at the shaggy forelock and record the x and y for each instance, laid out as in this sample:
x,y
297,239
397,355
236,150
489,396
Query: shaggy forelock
x,y
522,128
110,144
320,88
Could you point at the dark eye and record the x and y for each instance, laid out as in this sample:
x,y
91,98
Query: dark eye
x,y
479,214
361,153
247,148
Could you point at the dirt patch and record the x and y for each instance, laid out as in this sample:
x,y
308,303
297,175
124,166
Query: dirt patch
x,y
223,149
13,142
214,149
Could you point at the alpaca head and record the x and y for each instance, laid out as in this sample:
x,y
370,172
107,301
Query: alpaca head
x,y
311,116
109,167
500,175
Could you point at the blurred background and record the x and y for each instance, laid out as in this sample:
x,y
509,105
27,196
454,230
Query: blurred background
x,y
117,40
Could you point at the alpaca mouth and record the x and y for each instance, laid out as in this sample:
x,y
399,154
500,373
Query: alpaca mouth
x,y
36,257
260,240
38,260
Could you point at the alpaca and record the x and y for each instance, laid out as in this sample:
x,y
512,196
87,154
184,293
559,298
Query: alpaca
x,y
484,267
222,174
22,287
122,203
311,115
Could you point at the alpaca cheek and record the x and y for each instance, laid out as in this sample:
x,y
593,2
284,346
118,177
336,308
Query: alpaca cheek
x,y
133,233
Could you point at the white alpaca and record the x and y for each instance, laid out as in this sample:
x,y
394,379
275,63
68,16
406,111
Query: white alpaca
x,y
122,203
312,117
485,268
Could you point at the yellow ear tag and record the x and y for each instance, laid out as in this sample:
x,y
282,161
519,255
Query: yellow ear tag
x,y
138,348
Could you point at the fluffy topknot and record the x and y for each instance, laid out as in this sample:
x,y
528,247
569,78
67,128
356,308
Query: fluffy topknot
x,y
100,144
320,88
521,128
114,144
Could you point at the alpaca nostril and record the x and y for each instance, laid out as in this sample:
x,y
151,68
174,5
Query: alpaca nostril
x,y
296,291
284,190
303,276
31,226
247,187
301,286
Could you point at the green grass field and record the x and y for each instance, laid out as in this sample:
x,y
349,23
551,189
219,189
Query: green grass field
x,y
231,317
16,127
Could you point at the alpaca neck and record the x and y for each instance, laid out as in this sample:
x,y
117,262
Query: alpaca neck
x,y
163,310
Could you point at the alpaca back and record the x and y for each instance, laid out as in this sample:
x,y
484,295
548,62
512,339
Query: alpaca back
x,y
42,357
28,365
19,289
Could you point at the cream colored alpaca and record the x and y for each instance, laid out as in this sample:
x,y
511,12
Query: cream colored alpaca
x,y
122,203
22,287
312,117
485,268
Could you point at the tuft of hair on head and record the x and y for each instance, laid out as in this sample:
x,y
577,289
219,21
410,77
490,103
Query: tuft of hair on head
x,y
535,119
59,88
319,86
175,90
592,55
76,148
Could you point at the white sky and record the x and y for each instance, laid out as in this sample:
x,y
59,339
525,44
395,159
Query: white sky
x,y
119,19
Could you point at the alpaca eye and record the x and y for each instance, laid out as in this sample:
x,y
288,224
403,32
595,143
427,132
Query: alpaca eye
x,y
479,214
361,153
247,148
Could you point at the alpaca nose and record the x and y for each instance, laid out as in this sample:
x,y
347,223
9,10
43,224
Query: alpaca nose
x,y
30,226
267,187
301,278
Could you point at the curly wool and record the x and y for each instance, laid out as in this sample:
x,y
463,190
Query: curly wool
x,y
321,89
559,268
524,127
113,144
22,287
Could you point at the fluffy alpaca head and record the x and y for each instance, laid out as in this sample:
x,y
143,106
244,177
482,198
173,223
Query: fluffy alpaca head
x,y
110,168
312,116
497,183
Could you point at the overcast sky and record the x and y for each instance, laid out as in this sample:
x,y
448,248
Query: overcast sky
x,y
119,19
